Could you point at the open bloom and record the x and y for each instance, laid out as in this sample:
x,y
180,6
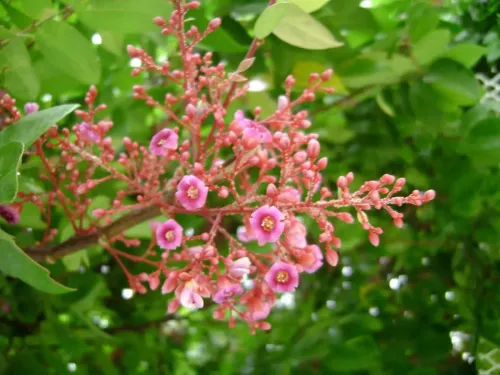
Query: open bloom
x,y
87,132
227,293
314,260
191,193
169,235
282,277
267,224
163,141
10,215
190,299
240,267
252,131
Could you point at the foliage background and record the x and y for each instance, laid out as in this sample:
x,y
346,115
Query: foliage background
x,y
408,103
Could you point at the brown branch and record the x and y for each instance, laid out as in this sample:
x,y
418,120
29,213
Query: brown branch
x,y
133,218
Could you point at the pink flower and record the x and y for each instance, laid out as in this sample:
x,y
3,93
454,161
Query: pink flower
x,y
289,194
262,313
169,235
227,293
190,299
267,224
245,235
10,215
31,108
163,141
191,193
87,132
314,264
282,277
251,130
296,234
240,267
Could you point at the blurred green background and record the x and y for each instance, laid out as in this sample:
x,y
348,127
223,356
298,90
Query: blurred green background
x,y
416,96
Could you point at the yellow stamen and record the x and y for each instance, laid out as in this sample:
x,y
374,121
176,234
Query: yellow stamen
x,y
169,235
192,192
268,224
282,277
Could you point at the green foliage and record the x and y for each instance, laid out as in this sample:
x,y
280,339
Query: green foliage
x,y
407,102
10,159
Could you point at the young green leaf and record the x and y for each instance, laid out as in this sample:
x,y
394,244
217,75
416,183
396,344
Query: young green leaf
x,y
20,78
124,16
466,54
15,263
30,128
302,30
269,19
431,46
308,6
10,159
69,51
36,8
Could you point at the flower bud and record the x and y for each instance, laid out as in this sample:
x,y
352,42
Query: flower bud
x,y
313,149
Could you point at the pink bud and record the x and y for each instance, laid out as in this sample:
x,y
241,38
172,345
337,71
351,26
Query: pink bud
x,y
299,157
159,21
99,212
400,182
271,191
332,257
327,74
282,102
218,314
429,195
342,182
265,326
214,24
322,163
374,239
173,306
313,149
223,192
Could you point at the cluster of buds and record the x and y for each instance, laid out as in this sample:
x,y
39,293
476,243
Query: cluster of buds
x,y
263,173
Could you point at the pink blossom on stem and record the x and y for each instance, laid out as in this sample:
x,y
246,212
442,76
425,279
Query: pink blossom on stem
x,y
190,299
169,235
163,141
240,267
296,234
267,224
262,312
282,277
191,193
227,293
10,215
31,108
314,260
87,132
252,131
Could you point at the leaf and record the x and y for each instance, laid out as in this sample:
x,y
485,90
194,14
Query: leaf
x,y
431,46
36,9
365,71
10,159
301,30
245,65
269,19
302,70
16,263
488,357
124,16
483,142
20,78
68,50
384,106
112,42
31,127
308,6
422,18
75,260
466,54
455,81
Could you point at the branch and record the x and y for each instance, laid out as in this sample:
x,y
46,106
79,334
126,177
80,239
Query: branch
x,y
133,218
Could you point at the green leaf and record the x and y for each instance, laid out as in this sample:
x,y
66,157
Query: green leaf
x,y
302,30
68,50
483,142
20,78
488,357
36,9
16,263
422,18
112,42
366,71
270,19
466,54
75,260
124,16
455,81
10,159
431,46
308,6
384,105
31,127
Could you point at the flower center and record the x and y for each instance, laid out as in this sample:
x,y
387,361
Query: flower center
x,y
268,224
169,235
192,192
282,276
161,142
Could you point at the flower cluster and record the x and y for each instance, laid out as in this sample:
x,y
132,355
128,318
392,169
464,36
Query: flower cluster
x,y
263,173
